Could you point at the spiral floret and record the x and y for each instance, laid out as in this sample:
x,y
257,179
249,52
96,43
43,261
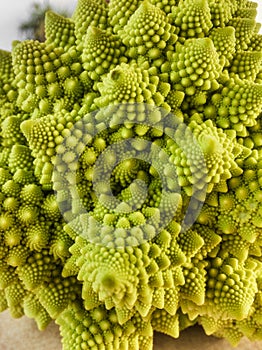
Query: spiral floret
x,y
195,66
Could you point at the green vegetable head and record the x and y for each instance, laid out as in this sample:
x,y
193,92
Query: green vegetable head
x,y
131,172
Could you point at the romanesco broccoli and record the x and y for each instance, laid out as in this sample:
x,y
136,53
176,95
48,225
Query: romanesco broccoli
x,y
131,172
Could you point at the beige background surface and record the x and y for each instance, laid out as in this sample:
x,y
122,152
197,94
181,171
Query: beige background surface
x,y
22,334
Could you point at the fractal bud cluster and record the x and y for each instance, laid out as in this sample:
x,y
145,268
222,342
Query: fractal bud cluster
x,y
131,173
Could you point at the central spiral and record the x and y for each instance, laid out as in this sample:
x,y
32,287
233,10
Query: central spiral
x,y
118,186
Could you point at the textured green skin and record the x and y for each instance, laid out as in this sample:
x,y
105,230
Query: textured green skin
x,y
200,60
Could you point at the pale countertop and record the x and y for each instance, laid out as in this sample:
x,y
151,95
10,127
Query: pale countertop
x,y
22,334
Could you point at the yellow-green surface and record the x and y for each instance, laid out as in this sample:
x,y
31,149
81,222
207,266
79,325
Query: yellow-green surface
x,y
156,218
22,334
